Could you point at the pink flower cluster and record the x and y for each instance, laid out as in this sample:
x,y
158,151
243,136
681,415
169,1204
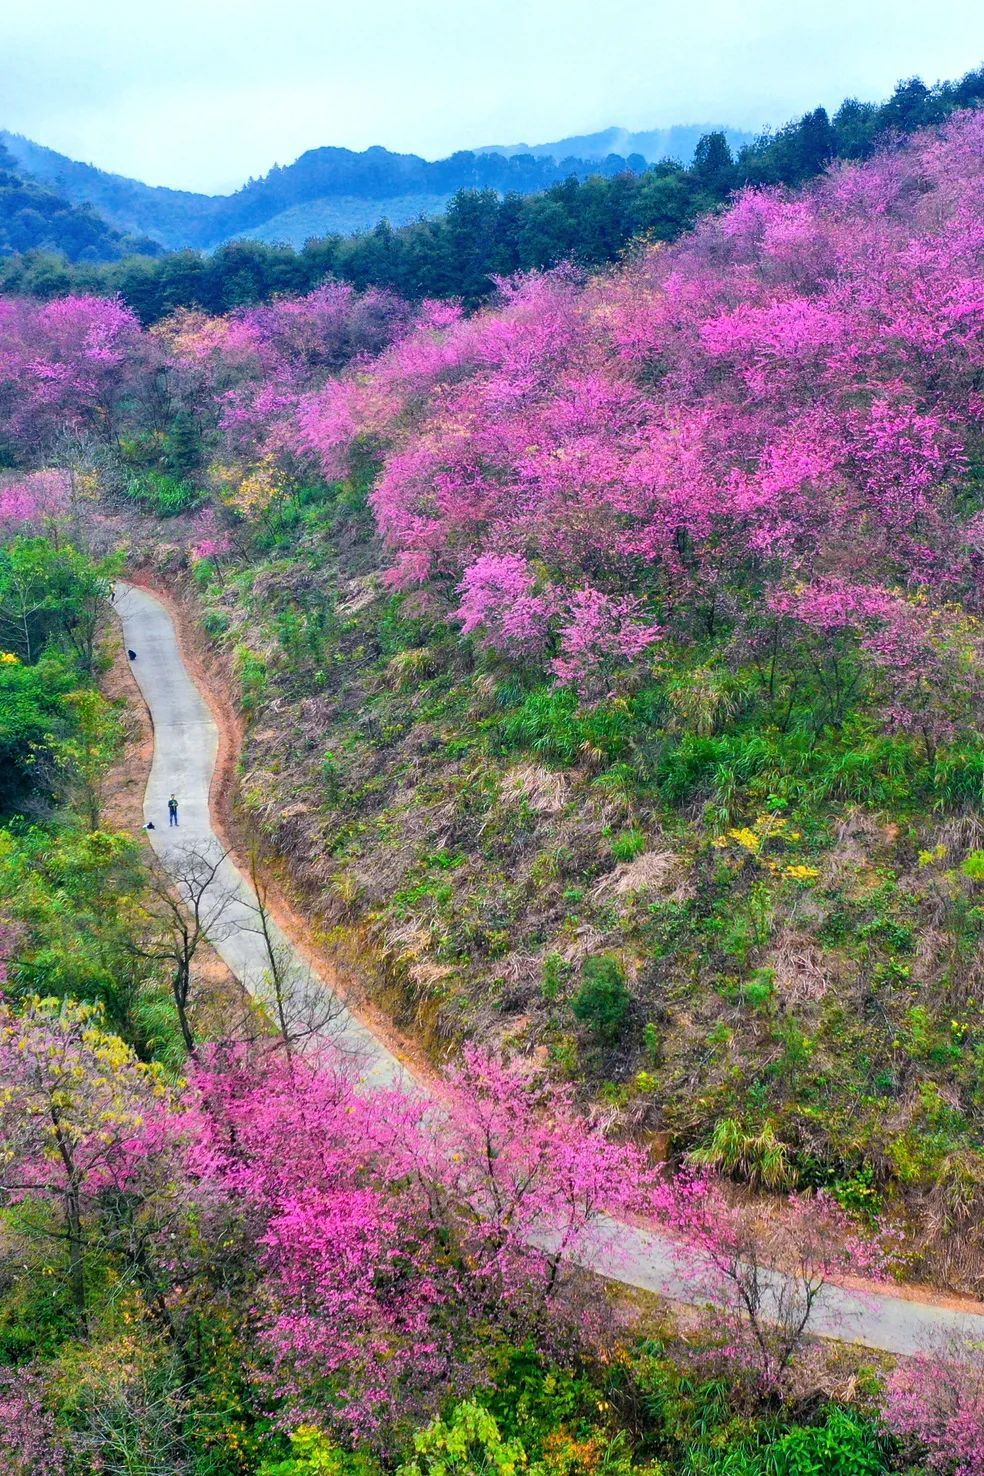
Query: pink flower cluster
x,y
356,1201
212,540
65,366
792,389
790,394
29,1443
27,502
593,631
253,365
935,1403
376,1230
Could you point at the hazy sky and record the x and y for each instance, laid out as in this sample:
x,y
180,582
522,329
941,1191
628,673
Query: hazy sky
x,y
204,93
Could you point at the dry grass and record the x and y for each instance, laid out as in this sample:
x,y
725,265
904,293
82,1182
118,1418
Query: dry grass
x,y
544,790
802,975
653,871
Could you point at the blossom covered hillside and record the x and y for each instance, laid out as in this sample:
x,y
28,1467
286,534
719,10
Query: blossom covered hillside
x,y
650,741
774,422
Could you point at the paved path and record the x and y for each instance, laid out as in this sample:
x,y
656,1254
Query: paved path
x,y
185,748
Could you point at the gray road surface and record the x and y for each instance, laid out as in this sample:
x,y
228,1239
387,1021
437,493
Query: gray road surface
x,y
185,748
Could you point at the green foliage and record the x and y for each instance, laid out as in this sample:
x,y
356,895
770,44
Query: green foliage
x,y
628,845
756,1158
555,973
972,867
57,734
314,1454
467,1443
551,724
700,1424
33,716
73,894
163,493
758,992
215,622
842,1446
50,593
603,1001
858,1193
252,671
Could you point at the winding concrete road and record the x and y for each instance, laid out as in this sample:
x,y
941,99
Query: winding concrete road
x,y
185,750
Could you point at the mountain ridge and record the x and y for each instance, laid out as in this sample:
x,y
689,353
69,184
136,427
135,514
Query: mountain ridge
x,y
317,193
654,144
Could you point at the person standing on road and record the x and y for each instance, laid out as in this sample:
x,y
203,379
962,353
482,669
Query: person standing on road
x,y
172,811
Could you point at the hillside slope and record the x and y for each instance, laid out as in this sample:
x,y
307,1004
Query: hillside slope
x,y
693,810
36,217
614,654
344,215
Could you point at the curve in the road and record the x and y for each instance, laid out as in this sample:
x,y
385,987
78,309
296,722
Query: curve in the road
x,y
185,750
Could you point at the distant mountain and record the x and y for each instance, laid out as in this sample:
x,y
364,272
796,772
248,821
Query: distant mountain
x,y
35,216
170,217
325,191
653,144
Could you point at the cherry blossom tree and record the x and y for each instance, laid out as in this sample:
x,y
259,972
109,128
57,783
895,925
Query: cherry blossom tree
x,y
792,388
74,1112
66,365
387,1227
513,1169
934,1402
765,1276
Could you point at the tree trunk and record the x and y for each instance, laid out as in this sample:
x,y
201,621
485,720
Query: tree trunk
x,y
76,1252
181,989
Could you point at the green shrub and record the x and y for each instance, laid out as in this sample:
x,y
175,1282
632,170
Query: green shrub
x,y
843,1446
603,1002
551,724
628,845
407,669
163,494
759,1158
973,866
555,971
252,677
215,622
467,1443
758,992
314,1454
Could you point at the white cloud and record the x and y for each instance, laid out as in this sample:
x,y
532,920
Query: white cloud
x,y
203,93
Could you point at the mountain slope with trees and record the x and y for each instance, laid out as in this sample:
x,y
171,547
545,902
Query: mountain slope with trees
x,y
36,218
615,651
654,144
325,191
